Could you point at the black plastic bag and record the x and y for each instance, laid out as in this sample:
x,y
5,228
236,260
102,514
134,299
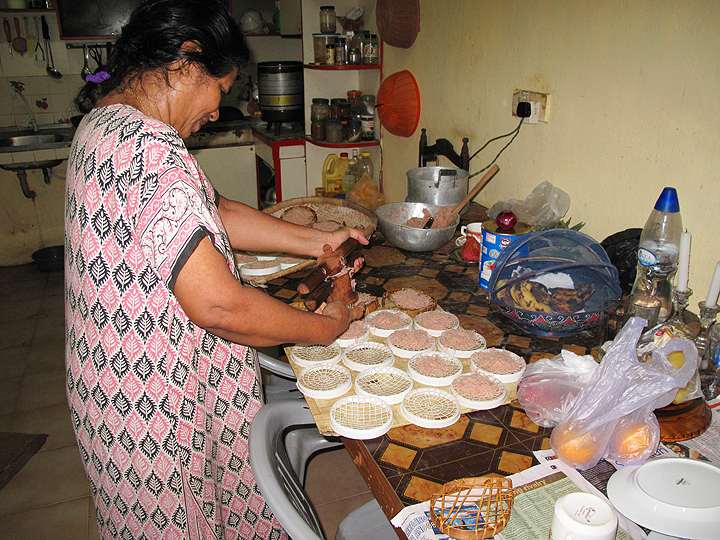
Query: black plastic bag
x,y
622,248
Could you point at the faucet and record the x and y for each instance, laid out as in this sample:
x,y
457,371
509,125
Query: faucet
x,y
32,123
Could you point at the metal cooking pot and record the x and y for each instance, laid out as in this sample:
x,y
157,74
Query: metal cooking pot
x,y
392,219
440,186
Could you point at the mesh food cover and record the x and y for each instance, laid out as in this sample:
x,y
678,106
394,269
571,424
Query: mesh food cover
x,y
554,283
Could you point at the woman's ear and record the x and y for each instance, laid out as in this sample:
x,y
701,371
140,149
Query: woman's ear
x,y
190,46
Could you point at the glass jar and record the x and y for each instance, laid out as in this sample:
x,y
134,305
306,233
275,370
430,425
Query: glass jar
x,y
333,131
335,107
371,50
354,98
354,57
344,115
330,55
354,131
320,109
340,51
318,129
327,19
367,117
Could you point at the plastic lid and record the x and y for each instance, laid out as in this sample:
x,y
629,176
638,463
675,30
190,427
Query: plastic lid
x,y
668,201
321,100
368,97
333,120
343,154
327,7
354,122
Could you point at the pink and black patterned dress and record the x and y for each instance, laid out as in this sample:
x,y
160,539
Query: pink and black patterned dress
x,y
161,408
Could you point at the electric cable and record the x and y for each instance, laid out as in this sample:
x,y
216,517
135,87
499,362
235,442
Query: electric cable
x,y
514,134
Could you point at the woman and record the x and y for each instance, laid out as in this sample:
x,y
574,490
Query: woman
x,y
162,384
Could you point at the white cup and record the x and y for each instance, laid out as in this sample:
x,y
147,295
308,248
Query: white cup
x,y
583,516
472,229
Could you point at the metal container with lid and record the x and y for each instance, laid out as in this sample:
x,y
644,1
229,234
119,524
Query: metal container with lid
x,y
441,186
280,92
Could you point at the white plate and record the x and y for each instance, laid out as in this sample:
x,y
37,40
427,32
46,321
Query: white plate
x,y
314,355
344,343
412,368
387,383
382,332
249,272
417,323
361,417
502,377
367,354
326,381
673,496
476,404
431,408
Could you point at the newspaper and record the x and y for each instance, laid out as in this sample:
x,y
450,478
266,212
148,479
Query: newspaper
x,y
539,487
536,491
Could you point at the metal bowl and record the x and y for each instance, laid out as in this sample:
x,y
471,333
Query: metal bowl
x,y
391,220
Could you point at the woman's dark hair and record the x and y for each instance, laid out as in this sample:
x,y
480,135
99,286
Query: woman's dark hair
x,y
153,38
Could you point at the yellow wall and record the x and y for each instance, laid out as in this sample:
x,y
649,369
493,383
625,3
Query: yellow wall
x,y
635,89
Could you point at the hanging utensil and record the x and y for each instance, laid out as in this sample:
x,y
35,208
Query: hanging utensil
x,y
8,35
96,54
54,73
86,69
28,36
37,45
19,43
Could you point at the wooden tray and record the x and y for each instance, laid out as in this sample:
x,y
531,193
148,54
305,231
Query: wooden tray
x,y
348,213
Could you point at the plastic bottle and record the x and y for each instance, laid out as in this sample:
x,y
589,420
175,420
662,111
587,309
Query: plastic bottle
x,y
333,171
365,165
349,179
658,255
367,117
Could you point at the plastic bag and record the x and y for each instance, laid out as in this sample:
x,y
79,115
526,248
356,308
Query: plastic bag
x,y
622,391
366,191
548,387
546,204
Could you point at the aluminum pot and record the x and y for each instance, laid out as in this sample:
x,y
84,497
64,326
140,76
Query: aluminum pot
x,y
441,186
392,219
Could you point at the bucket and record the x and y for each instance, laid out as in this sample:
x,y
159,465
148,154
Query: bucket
x,y
333,172
493,242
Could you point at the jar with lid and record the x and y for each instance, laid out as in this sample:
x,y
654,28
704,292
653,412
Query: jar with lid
x,y
330,55
334,131
371,50
354,98
320,109
327,19
354,57
354,131
340,51
344,115
367,117
335,107
318,129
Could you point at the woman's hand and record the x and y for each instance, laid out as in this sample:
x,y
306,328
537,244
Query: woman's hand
x,y
335,239
339,312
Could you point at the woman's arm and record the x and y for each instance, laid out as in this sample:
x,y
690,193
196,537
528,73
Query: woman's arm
x,y
251,230
216,301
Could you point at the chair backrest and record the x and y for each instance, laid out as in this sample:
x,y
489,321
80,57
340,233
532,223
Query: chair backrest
x,y
274,474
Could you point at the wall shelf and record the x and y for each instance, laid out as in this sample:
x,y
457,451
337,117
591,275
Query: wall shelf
x,y
344,67
357,144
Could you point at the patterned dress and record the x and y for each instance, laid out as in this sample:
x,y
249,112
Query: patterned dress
x,y
161,408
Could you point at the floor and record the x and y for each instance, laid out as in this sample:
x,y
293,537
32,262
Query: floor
x,y
49,497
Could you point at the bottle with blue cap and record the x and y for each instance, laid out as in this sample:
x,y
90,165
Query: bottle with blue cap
x,y
658,255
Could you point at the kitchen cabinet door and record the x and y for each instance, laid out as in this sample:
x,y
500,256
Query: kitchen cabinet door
x,y
232,171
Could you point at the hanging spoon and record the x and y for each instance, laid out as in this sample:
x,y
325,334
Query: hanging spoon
x,y
37,45
54,73
86,69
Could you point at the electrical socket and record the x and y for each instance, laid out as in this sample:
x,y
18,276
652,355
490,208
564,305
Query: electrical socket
x,y
539,103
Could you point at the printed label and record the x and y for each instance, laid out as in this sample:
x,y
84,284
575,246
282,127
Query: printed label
x,y
647,257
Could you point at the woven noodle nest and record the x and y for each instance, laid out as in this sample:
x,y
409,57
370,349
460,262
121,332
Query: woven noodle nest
x,y
473,508
347,213
398,21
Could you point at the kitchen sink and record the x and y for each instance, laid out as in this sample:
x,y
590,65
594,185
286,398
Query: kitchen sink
x,y
34,139
14,139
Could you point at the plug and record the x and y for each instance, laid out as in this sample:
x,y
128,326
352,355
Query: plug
x,y
524,109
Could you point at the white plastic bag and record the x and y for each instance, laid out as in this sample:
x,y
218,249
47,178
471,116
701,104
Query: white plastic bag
x,y
548,387
622,391
546,204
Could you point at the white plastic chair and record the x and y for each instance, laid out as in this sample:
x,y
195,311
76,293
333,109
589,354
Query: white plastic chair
x,y
283,437
281,384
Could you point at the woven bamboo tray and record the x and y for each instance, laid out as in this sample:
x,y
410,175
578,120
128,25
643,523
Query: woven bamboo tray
x,y
348,213
473,508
